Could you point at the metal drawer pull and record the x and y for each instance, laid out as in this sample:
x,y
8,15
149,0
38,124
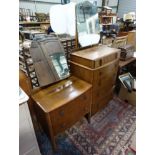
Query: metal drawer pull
x,y
99,83
100,73
100,62
62,125
84,97
61,113
98,94
97,105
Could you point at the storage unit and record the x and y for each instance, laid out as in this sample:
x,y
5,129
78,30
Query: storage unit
x,y
98,66
60,106
127,52
34,25
132,38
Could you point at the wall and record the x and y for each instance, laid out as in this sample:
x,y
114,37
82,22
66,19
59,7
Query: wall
x,y
44,5
38,6
126,6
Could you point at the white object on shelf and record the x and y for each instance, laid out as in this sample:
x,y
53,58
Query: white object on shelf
x,y
27,140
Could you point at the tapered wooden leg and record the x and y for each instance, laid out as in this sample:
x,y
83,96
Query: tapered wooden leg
x,y
52,137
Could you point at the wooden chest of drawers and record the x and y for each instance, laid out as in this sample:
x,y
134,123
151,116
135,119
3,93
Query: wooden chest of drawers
x,y
98,66
60,106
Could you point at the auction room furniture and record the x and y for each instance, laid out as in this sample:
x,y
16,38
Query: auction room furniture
x,y
126,62
34,25
27,140
132,38
97,65
61,105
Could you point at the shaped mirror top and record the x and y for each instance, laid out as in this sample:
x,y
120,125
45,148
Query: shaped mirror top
x,y
87,22
49,60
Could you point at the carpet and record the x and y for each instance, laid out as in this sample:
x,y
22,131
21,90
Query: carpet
x,y
109,133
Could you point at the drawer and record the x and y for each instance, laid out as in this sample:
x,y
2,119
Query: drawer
x,y
67,115
101,103
82,61
101,93
105,82
106,71
81,72
102,61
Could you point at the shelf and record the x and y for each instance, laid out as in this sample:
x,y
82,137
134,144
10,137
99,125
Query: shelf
x,y
29,23
107,16
108,24
126,62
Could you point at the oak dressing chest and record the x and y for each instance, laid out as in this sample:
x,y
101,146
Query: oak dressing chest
x,y
97,65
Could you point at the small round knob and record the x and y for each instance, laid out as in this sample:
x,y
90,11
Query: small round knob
x,y
84,97
98,94
61,113
100,73
99,83
62,125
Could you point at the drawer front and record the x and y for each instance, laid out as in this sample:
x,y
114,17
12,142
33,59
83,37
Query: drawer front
x,y
81,72
82,61
67,115
105,82
100,62
101,103
106,71
101,93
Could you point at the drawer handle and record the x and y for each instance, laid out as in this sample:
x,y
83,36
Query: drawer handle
x,y
98,94
99,83
62,126
97,105
84,97
100,73
100,62
61,113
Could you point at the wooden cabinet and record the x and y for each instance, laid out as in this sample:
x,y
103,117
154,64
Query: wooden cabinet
x,y
132,38
97,65
61,105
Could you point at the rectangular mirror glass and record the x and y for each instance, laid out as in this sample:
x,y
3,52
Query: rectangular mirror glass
x,y
60,64
87,22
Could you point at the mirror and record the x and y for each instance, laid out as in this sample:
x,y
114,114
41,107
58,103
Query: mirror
x,y
49,59
60,65
87,21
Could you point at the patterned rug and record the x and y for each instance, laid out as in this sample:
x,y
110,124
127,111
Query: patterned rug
x,y
109,133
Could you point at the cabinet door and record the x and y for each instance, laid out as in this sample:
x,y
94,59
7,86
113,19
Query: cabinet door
x,y
27,139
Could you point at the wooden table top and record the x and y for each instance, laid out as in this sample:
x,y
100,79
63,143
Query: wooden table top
x,y
123,63
59,94
95,52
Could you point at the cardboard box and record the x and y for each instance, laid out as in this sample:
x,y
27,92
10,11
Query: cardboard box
x,y
128,93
